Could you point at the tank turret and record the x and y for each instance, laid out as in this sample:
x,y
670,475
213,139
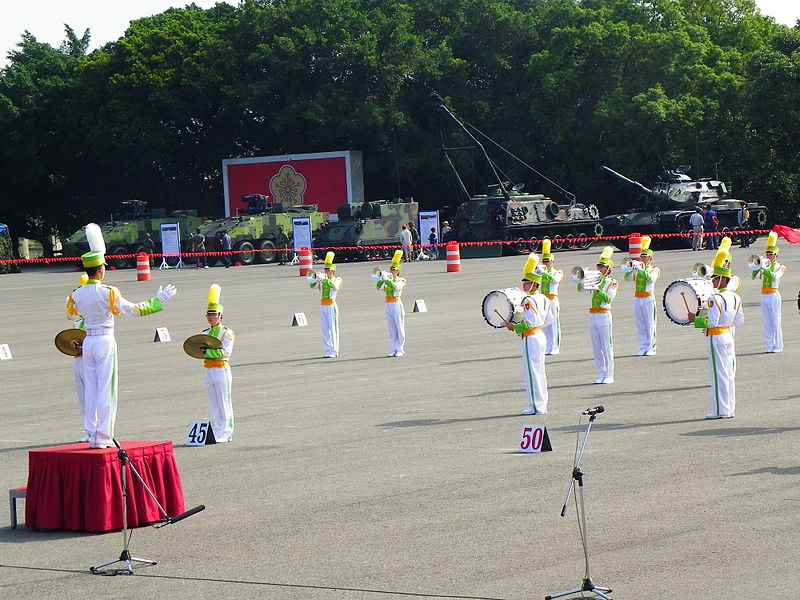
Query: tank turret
x,y
666,206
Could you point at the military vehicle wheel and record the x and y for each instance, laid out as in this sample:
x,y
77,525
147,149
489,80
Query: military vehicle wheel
x,y
761,218
268,255
520,245
557,242
119,263
582,241
569,241
246,255
534,244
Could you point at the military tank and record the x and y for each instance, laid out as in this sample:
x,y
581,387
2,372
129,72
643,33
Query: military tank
x,y
256,229
667,206
366,230
507,214
125,234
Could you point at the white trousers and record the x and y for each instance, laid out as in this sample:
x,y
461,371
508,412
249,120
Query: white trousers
x,y
533,374
220,403
771,315
329,320
100,378
396,321
722,368
602,344
80,388
644,313
552,332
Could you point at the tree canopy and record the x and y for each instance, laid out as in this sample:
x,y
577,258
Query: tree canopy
x,y
567,85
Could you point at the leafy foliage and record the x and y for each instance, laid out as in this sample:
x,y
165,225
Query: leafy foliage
x,y
566,85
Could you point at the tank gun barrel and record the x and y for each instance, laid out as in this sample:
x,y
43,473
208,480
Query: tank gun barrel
x,y
622,177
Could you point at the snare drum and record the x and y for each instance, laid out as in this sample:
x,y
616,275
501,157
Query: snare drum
x,y
499,306
693,293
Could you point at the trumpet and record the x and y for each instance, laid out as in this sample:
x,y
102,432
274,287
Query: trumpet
x,y
588,278
756,263
379,274
701,270
629,265
313,276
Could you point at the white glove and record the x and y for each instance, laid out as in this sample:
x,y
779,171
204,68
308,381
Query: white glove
x,y
167,292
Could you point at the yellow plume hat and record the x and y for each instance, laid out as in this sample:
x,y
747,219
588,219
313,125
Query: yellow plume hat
x,y
546,245
772,242
396,259
329,261
214,293
646,246
529,270
605,257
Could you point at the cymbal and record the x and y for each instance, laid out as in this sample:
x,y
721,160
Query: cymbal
x,y
65,338
196,345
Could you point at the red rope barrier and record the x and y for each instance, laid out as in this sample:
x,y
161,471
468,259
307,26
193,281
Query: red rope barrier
x,y
688,235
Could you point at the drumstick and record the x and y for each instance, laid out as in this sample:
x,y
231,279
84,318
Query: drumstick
x,y
501,317
683,295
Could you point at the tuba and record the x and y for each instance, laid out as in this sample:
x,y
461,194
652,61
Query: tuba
x,y
701,270
588,278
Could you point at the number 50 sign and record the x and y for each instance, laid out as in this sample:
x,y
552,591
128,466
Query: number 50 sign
x,y
534,440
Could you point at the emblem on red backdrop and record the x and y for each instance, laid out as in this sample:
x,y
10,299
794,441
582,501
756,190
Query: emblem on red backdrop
x,y
288,186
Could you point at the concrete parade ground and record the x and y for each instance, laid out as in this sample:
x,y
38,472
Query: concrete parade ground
x,y
366,477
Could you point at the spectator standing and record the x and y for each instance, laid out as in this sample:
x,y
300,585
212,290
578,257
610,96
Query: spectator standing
x,y
711,224
743,221
199,246
696,221
434,249
445,230
405,241
225,246
414,238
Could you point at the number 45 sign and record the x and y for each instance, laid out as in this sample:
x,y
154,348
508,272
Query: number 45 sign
x,y
200,434
534,440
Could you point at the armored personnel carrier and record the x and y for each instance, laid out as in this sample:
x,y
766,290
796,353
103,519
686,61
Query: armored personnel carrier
x,y
257,229
126,233
667,206
507,214
366,230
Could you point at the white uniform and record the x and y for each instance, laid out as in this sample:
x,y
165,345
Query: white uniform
x,y
724,312
98,304
644,307
600,329
218,382
552,332
77,373
771,306
328,312
395,313
536,315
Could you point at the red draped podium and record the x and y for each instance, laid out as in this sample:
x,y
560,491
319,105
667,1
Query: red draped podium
x,y
75,488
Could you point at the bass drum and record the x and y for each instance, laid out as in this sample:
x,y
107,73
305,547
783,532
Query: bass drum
x,y
679,294
499,306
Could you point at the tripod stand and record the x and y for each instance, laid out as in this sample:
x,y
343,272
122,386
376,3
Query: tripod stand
x,y
577,475
125,557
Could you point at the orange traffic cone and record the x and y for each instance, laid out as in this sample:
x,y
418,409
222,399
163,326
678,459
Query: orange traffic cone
x,y
453,258
306,261
142,267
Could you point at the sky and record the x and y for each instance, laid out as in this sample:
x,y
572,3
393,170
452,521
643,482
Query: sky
x,y
108,19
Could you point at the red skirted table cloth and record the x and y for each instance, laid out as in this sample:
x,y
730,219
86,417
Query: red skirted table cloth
x,y
78,489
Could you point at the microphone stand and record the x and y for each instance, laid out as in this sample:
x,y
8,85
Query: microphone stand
x,y
125,556
577,475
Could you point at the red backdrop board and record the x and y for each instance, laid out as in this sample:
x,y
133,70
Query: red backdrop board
x,y
327,179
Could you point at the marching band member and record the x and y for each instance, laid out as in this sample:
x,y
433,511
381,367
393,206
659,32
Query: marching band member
x,y
329,284
218,379
551,277
600,323
536,315
98,304
770,296
392,284
724,312
644,277
77,367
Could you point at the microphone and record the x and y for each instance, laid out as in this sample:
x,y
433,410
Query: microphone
x,y
183,515
593,411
